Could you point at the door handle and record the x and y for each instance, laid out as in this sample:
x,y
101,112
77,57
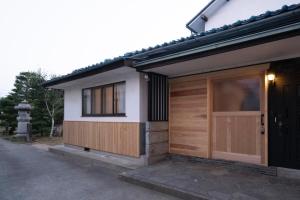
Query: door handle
x,y
280,125
262,123
262,119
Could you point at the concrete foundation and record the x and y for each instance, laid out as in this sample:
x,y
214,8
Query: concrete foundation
x,y
157,141
94,157
156,149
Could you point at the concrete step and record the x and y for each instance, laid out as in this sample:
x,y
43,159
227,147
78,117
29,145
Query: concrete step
x,y
97,157
207,180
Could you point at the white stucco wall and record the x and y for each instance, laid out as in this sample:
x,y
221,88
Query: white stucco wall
x,y
143,99
236,10
135,98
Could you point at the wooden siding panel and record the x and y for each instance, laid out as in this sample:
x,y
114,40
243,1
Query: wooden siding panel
x,y
114,137
188,125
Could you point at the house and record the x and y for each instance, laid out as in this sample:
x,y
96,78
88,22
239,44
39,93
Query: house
x,y
231,92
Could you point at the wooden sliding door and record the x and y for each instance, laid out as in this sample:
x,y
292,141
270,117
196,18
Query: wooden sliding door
x,y
237,119
220,115
188,124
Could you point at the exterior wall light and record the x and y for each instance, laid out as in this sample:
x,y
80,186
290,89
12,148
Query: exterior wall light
x,y
147,78
271,77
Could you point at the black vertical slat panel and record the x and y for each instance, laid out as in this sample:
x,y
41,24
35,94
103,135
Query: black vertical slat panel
x,y
167,99
157,97
164,99
153,97
156,111
149,98
161,98
161,113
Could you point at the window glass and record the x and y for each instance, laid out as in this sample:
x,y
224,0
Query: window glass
x,y
97,101
237,95
119,98
107,100
87,101
104,100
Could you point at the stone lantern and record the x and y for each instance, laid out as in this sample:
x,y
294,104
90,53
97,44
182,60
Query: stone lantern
x,y
23,130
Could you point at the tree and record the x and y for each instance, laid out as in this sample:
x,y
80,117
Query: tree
x,y
8,114
28,86
54,104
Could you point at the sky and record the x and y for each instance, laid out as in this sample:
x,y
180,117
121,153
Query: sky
x,y
59,36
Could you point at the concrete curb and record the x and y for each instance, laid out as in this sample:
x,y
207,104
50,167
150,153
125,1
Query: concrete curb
x,y
176,192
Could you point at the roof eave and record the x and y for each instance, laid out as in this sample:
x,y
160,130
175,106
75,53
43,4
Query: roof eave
x,y
111,66
160,61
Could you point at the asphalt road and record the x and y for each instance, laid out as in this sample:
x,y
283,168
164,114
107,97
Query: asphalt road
x,y
28,173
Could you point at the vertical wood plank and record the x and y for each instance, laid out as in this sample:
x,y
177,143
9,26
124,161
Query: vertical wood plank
x,y
188,116
209,116
115,137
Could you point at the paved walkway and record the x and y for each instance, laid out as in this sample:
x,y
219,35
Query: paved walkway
x,y
28,173
213,181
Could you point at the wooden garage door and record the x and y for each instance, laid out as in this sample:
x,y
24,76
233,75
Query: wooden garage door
x,y
188,125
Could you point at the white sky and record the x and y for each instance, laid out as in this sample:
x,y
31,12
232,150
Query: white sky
x,y
59,36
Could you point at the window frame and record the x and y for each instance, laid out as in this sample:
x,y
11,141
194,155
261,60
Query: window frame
x,y
92,101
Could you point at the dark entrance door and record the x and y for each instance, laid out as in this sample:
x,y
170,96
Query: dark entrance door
x,y
284,115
